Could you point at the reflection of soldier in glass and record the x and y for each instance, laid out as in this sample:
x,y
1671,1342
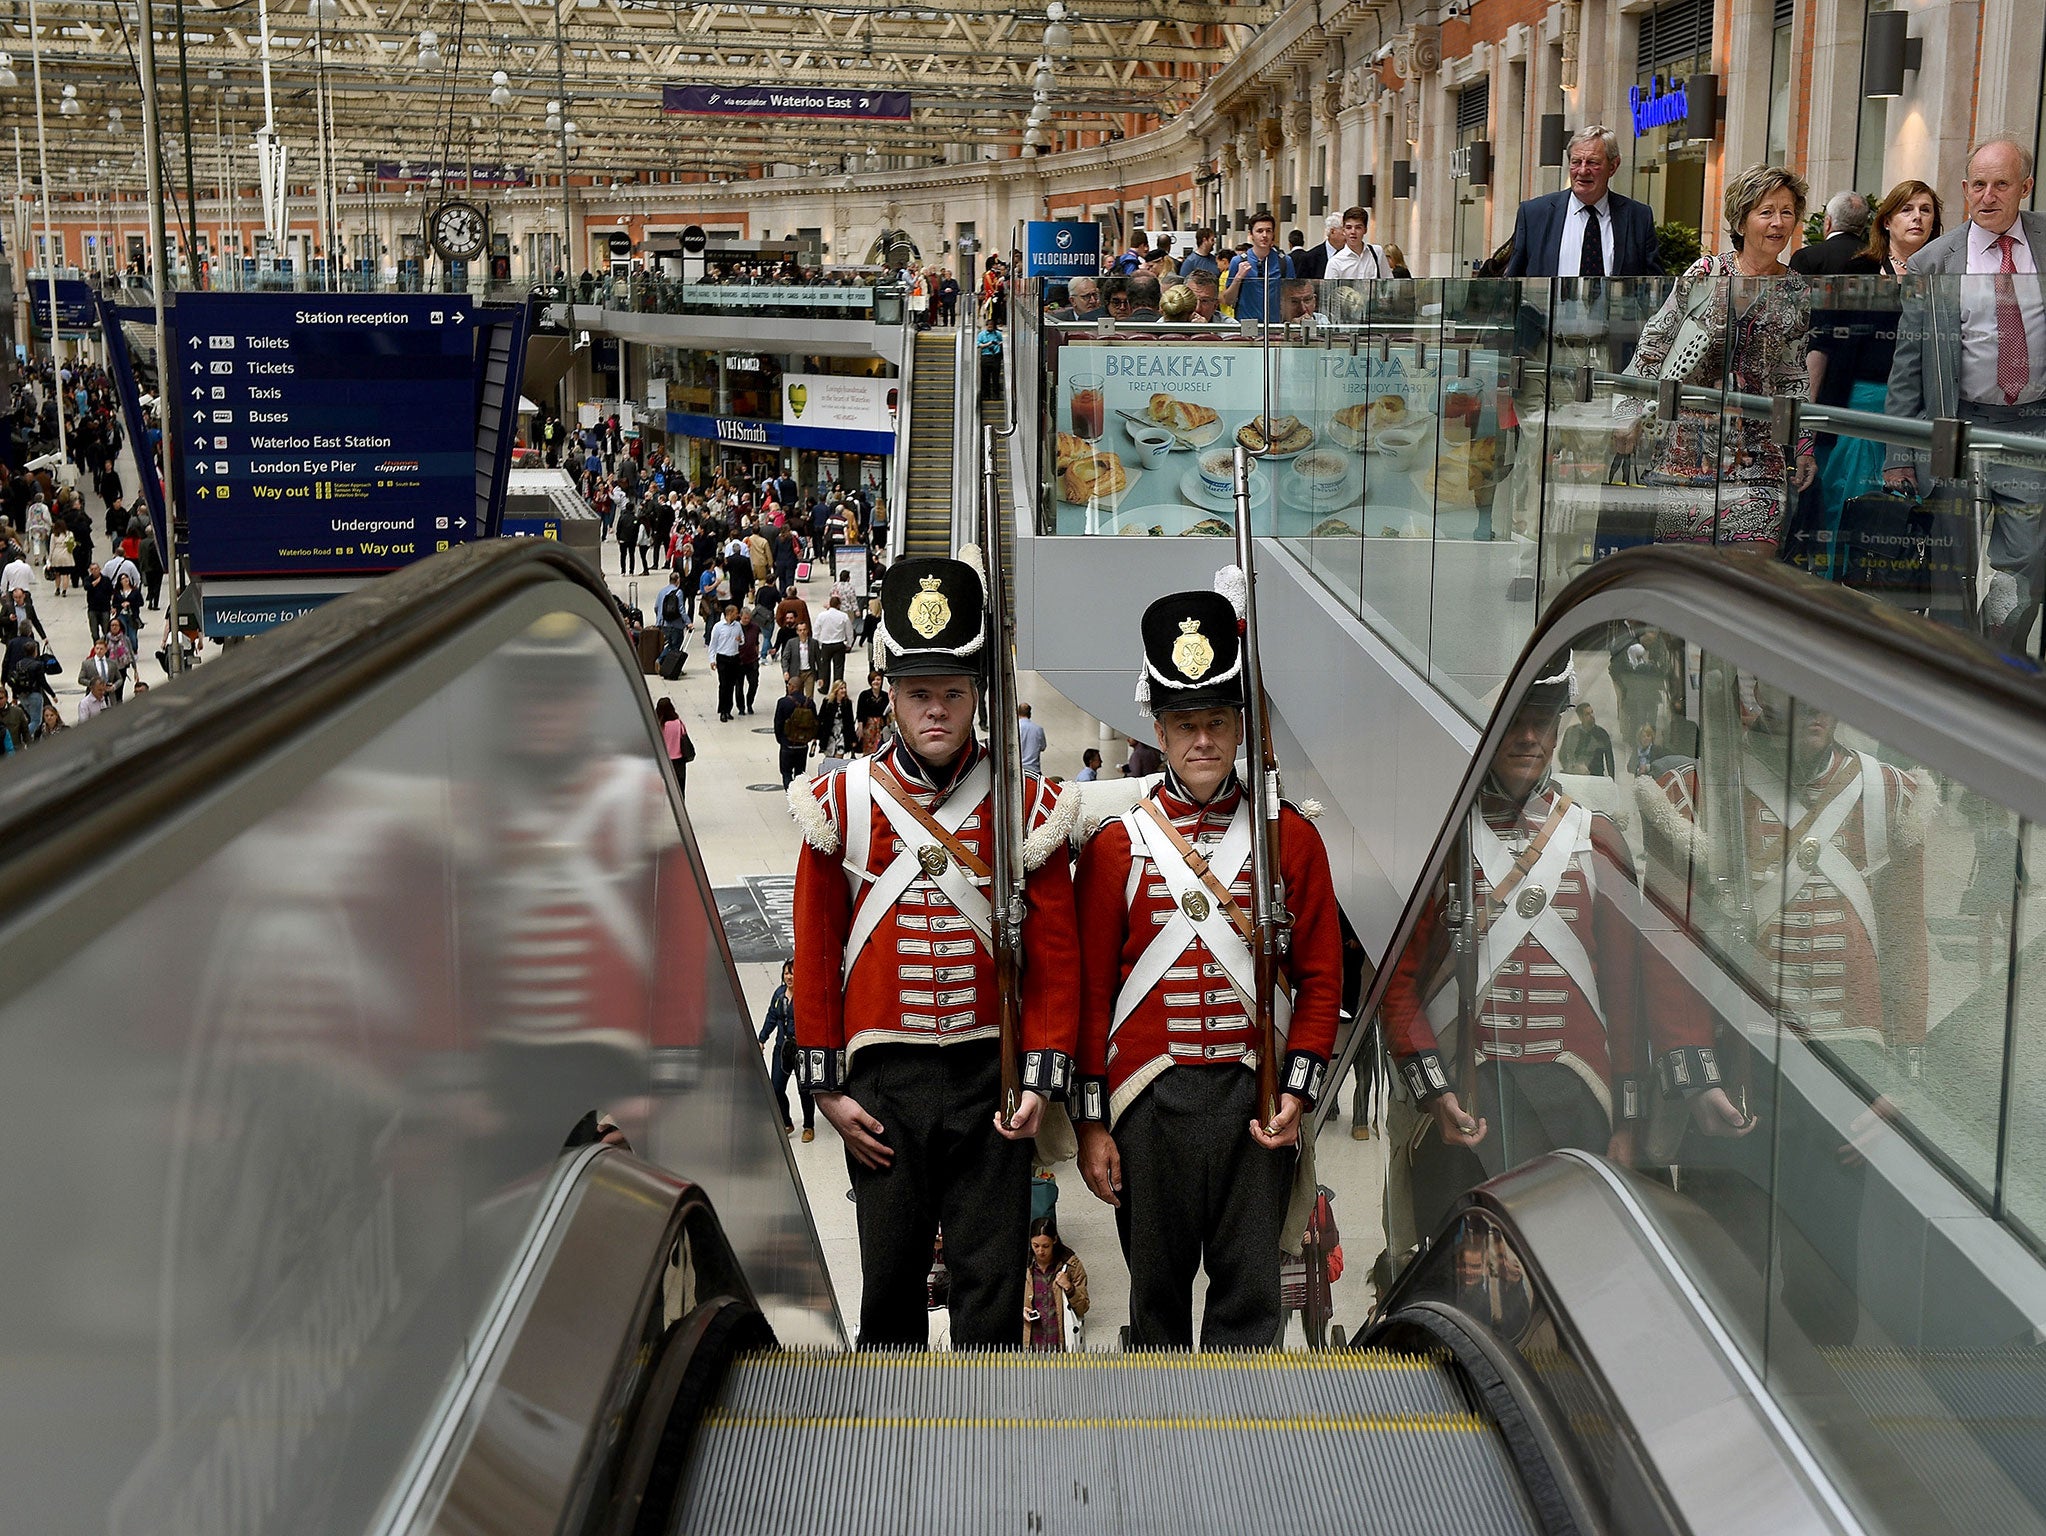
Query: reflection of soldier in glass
x,y
1831,935
564,950
1539,977
1839,925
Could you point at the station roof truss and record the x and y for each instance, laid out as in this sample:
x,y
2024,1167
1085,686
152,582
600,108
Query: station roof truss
x,y
969,71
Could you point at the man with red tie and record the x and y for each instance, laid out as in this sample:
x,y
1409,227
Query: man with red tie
x,y
1971,343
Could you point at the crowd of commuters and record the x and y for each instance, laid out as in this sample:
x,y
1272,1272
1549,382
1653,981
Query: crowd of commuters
x,y
54,545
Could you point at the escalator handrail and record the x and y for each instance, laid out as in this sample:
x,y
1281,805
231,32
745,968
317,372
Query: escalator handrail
x,y
1594,1213
95,789
537,1319
1536,1442
1928,677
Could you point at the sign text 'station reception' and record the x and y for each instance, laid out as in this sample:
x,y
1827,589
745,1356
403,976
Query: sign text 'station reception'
x,y
325,432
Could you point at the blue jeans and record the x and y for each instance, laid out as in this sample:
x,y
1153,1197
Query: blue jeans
x,y
674,638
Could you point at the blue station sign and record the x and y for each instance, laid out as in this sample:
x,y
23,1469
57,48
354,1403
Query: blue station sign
x,y
324,432
226,616
77,305
745,432
1061,248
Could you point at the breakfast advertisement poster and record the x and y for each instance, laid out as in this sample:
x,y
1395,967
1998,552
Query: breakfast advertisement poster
x,y
1144,436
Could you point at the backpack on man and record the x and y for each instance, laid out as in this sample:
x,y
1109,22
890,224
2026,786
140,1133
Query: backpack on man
x,y
801,729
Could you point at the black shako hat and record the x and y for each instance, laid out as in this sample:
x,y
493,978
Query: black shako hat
x,y
933,618
1555,689
1193,653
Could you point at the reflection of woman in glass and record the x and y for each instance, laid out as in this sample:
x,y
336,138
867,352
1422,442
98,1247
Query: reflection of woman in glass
x,y
1721,476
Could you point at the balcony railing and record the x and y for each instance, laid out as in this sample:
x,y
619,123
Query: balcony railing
x,y
1450,453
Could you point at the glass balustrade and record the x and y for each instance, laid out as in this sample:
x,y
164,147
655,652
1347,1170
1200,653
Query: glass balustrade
x,y
1447,454
1735,938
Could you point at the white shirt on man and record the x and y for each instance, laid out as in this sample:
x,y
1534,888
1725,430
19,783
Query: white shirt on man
x,y
1978,317
833,627
1570,255
1347,264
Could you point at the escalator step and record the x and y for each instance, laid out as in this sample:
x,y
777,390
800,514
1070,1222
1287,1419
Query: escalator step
x,y
882,1442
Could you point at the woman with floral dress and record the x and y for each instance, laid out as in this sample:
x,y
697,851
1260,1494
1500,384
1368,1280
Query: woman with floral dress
x,y
1721,477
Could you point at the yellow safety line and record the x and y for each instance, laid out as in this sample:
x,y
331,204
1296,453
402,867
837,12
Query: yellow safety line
x,y
1433,1423
1344,1360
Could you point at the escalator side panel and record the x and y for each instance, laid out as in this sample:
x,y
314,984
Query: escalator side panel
x,y
279,1086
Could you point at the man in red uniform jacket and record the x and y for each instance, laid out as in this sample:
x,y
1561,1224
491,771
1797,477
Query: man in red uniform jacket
x,y
895,1002
1569,1001
1167,1110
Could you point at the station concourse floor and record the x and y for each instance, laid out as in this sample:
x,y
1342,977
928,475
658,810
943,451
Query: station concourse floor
x,y
739,815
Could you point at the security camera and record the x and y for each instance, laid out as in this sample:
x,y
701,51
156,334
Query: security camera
x,y
582,339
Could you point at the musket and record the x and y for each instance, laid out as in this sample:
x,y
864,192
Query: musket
x,y
1005,752
1460,921
1723,823
1270,923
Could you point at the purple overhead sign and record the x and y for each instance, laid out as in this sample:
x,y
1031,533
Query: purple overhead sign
x,y
780,101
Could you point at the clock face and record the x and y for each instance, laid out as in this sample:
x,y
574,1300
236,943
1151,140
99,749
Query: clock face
x,y
459,231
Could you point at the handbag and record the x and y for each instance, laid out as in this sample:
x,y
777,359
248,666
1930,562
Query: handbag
x,y
1918,554
1688,347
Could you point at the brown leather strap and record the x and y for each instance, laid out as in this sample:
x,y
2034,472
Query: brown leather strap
x,y
962,855
1197,862
1529,857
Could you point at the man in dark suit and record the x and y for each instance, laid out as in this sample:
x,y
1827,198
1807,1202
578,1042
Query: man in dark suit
x,y
1586,230
1839,253
1313,262
1971,343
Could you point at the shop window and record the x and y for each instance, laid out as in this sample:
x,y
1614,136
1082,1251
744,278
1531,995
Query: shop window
x,y
1473,111
2039,139
1780,83
1669,169
1872,134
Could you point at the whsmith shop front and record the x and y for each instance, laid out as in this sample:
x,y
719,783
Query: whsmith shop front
x,y
824,428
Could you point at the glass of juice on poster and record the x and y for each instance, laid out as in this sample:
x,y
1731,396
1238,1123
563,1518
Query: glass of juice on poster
x,y
1090,411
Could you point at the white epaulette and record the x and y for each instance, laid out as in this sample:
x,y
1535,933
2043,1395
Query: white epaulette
x,y
1057,828
813,811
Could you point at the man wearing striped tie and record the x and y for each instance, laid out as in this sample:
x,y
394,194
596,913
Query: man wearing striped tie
x,y
1971,343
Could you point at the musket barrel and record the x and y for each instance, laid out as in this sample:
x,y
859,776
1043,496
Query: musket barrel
x,y
1005,751
1262,791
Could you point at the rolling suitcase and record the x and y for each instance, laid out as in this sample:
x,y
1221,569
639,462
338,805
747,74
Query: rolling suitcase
x,y
646,643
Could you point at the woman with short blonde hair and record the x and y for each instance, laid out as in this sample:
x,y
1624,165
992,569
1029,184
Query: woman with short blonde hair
x,y
1721,479
1746,192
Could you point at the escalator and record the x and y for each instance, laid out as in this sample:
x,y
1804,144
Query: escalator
x,y
933,421
391,1152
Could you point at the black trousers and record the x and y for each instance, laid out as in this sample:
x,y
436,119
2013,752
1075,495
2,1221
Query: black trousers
x,y
1530,1108
936,1105
731,678
1197,1190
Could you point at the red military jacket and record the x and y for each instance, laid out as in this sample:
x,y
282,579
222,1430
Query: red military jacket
x,y
1579,984
1193,1014
920,973
578,920
1845,956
